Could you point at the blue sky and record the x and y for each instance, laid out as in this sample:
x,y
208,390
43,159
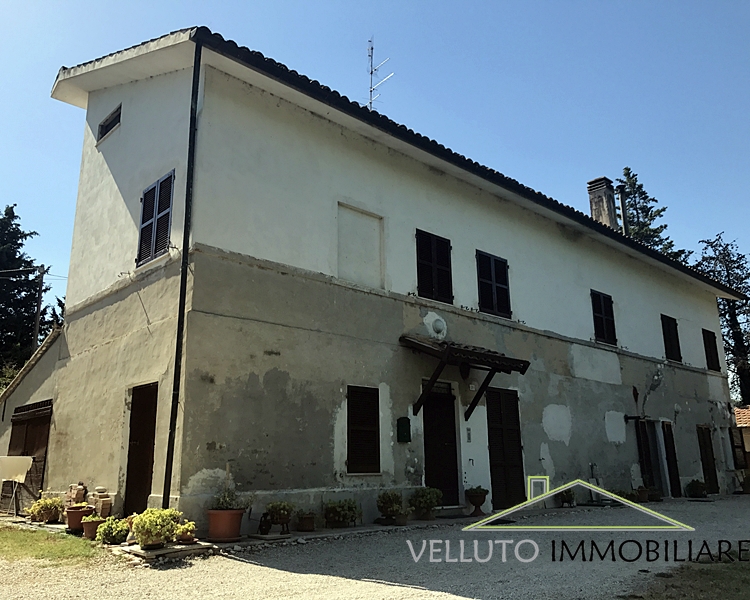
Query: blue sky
x,y
552,94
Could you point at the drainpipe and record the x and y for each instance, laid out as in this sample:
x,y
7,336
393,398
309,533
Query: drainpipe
x,y
183,275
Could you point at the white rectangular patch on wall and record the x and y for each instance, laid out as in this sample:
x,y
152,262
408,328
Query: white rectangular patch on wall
x,y
360,247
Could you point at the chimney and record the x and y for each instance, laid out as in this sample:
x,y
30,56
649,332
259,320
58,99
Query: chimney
x,y
602,200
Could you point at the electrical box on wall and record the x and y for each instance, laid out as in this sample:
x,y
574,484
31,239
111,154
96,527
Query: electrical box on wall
x,y
403,430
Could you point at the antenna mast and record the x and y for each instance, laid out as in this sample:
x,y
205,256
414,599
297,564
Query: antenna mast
x,y
374,71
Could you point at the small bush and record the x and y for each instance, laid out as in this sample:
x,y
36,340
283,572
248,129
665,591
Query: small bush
x,y
46,509
279,511
92,517
155,526
342,511
112,531
228,499
477,489
425,499
390,503
187,529
696,489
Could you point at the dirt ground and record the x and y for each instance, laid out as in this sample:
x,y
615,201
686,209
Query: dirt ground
x,y
382,565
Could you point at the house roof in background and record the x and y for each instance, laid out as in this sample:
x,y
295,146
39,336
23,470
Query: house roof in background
x,y
742,416
74,83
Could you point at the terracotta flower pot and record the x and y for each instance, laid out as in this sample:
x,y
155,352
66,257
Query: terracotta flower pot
x,y
642,495
401,519
74,514
476,499
224,525
306,523
90,527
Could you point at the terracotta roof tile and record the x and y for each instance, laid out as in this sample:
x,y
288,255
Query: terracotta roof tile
x,y
742,415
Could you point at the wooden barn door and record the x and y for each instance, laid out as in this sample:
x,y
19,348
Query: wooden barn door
x,y
708,460
29,436
440,444
141,448
506,451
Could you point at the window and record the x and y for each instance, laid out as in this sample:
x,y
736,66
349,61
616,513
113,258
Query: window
x,y
362,430
434,267
156,217
604,318
712,352
671,339
494,293
108,124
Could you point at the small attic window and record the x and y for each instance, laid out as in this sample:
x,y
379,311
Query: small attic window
x,y
108,124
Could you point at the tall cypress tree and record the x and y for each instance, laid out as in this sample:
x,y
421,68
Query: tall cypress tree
x,y
642,213
724,262
19,288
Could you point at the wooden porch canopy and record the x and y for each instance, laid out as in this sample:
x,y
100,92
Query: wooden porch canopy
x,y
465,357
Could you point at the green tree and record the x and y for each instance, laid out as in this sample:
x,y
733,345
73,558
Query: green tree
x,y
724,262
642,213
19,289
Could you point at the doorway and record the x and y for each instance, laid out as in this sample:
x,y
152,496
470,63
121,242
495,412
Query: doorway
x,y
506,450
658,457
29,436
440,443
708,460
140,468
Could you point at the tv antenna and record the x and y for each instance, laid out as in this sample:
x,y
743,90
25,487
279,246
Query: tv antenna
x,y
374,72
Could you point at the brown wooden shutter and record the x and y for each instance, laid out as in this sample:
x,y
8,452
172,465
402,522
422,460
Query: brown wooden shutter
x,y
363,430
644,453
671,452
738,448
603,310
712,352
434,279
163,215
492,277
671,338
148,208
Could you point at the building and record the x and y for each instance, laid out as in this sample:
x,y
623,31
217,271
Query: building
x,y
351,307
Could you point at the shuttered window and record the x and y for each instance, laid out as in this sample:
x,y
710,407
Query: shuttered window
x,y
156,219
712,351
362,430
434,267
492,277
738,448
108,124
671,338
604,318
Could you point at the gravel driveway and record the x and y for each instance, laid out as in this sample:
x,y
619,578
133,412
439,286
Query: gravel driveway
x,y
381,565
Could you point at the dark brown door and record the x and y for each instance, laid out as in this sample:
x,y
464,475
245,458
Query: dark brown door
x,y
707,459
29,436
506,451
141,448
674,473
440,447
645,459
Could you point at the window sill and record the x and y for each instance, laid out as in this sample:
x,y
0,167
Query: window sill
x,y
107,135
378,474
606,343
154,262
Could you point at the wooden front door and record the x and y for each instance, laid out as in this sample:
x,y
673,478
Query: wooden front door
x,y
707,459
141,448
29,436
440,445
506,450
671,452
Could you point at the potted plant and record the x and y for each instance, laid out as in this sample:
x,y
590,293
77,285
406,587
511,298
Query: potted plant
x,y
341,513
225,515
567,497
696,489
47,510
390,504
402,517
642,494
90,524
74,514
654,494
476,496
280,514
113,531
305,520
154,527
424,500
185,533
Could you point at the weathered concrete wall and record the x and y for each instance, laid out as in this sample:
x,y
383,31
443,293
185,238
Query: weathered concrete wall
x,y
281,173
272,350
123,340
150,141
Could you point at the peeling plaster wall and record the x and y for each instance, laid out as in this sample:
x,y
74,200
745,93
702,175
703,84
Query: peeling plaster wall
x,y
125,339
281,172
272,352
